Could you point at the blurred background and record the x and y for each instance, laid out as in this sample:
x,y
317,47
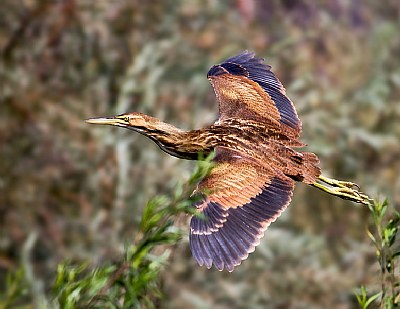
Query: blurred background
x,y
71,191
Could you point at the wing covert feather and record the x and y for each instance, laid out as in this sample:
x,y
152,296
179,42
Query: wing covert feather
x,y
236,216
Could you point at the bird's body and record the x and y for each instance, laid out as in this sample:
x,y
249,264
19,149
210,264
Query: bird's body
x,y
250,138
255,165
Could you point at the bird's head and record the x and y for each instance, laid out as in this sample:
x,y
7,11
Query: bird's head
x,y
166,136
134,121
138,122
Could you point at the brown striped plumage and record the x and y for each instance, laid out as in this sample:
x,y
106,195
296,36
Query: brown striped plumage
x,y
255,167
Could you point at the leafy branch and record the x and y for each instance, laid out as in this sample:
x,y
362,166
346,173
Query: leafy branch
x,y
385,237
134,281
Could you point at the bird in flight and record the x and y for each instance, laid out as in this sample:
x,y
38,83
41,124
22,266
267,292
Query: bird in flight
x,y
255,166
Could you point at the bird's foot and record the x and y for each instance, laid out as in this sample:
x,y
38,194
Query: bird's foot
x,y
344,189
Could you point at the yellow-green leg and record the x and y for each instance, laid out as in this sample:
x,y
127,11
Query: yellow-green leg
x,y
343,189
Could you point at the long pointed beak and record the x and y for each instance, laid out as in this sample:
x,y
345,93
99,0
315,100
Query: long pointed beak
x,y
108,120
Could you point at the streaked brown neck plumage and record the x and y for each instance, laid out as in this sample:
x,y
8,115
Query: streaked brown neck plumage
x,y
174,141
179,143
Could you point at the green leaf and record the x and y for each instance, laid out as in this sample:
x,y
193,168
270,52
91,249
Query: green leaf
x,y
371,236
371,299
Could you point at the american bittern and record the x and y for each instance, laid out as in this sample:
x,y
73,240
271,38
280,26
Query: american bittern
x,y
255,165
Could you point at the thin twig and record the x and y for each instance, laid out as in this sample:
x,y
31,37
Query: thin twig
x,y
113,278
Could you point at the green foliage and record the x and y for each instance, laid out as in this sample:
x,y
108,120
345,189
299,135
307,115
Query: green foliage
x,y
134,281
131,282
16,288
385,237
363,299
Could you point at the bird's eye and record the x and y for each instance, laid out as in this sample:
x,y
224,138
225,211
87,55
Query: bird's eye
x,y
126,119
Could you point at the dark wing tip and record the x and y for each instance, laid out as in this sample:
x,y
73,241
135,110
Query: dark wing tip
x,y
221,239
244,57
250,63
225,237
232,65
216,70
227,68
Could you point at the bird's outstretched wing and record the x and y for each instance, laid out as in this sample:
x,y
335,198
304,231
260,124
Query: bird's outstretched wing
x,y
246,87
240,200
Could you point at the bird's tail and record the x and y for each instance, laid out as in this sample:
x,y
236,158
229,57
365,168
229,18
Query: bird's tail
x,y
310,169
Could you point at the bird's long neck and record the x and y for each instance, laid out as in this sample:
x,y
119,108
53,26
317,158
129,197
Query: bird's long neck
x,y
178,143
231,133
